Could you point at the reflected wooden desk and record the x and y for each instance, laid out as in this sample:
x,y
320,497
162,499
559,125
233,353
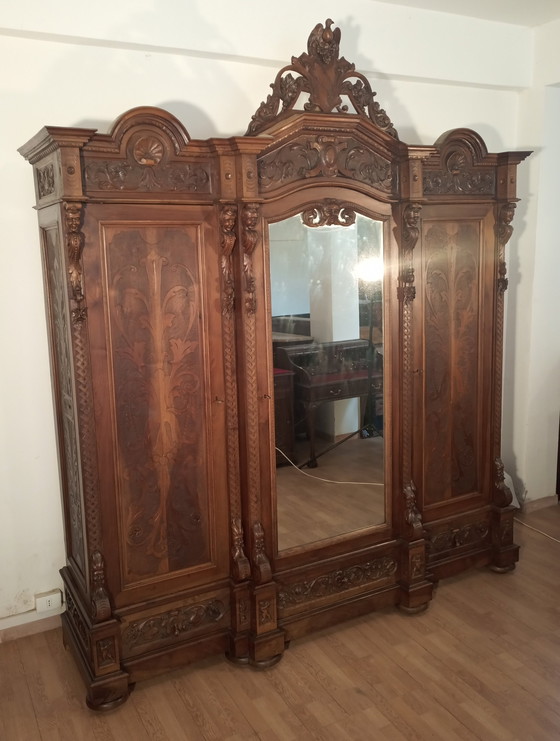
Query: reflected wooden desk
x,y
331,371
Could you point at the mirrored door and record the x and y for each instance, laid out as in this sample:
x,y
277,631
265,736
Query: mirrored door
x,y
327,326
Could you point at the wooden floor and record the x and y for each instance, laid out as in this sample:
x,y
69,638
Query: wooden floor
x,y
482,663
343,494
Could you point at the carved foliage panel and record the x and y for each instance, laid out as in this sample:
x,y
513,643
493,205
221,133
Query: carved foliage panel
x,y
326,156
155,308
297,595
180,621
55,272
452,350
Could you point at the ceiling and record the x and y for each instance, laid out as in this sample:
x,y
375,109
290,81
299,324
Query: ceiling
x,y
519,12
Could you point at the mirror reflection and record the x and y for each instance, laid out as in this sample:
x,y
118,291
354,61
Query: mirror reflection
x,y
327,330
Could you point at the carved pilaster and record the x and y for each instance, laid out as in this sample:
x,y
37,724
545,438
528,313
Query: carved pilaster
x,y
228,223
73,215
504,230
410,231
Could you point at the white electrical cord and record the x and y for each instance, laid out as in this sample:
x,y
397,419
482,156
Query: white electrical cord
x,y
328,481
530,527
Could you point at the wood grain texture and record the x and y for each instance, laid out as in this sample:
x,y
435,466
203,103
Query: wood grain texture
x,y
482,663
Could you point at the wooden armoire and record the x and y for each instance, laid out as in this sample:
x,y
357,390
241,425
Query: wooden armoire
x,y
185,280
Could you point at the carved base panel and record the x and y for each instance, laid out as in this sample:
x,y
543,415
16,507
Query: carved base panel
x,y
310,621
147,628
327,584
480,539
102,693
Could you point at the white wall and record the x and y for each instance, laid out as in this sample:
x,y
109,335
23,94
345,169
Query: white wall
x,y
77,64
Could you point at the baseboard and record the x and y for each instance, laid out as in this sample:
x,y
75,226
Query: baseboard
x,y
535,504
20,626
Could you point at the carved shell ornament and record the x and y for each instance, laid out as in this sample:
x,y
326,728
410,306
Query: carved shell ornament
x,y
325,77
148,150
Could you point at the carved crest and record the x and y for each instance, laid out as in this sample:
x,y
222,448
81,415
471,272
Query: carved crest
x,y
325,77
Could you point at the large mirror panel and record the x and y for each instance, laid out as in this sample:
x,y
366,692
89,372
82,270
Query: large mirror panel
x,y
326,286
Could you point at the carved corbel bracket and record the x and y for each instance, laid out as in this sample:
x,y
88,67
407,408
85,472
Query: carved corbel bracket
x,y
263,571
249,239
502,494
75,247
412,515
410,233
100,602
228,223
504,230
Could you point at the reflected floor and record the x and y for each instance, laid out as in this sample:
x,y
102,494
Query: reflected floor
x,y
310,509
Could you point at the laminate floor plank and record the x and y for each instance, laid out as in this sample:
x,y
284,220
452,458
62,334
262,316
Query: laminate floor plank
x,y
481,664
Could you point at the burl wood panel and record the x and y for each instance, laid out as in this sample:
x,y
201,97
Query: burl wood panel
x,y
153,300
451,327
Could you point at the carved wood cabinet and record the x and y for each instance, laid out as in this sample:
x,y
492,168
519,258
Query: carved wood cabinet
x,y
158,254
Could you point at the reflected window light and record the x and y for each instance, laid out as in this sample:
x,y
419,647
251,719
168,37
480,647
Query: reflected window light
x,y
369,270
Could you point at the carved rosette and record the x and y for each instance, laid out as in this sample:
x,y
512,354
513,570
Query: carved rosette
x,y
328,213
337,581
325,77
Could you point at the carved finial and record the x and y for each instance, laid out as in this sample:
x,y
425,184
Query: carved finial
x,y
324,76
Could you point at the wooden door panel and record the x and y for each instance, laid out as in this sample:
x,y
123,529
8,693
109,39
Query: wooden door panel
x,y
163,369
456,356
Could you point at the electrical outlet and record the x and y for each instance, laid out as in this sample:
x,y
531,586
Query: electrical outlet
x,y
47,601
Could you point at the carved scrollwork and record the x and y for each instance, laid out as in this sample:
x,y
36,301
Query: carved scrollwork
x,y
327,157
337,581
147,173
457,537
328,213
458,176
173,624
325,77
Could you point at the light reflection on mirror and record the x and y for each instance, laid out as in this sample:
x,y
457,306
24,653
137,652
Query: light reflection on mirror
x,y
326,288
